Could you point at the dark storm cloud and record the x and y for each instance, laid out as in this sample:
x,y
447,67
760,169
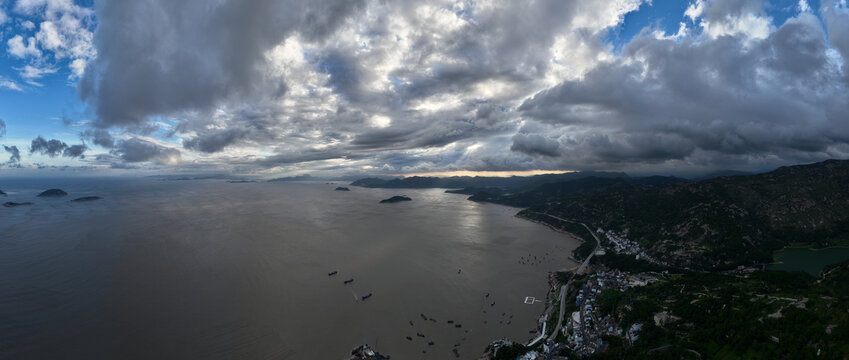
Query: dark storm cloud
x,y
344,74
98,137
74,151
535,144
16,154
215,141
53,148
156,57
138,150
727,95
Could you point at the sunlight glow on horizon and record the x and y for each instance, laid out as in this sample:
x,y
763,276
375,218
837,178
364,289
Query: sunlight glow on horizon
x,y
487,173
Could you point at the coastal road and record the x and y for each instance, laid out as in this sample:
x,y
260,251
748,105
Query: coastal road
x,y
578,271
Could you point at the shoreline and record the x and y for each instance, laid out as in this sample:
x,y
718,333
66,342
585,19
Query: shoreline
x,y
551,294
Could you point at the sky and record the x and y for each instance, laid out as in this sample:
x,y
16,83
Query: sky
x,y
270,88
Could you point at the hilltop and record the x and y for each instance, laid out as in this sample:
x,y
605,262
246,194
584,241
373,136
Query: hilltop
x,y
710,224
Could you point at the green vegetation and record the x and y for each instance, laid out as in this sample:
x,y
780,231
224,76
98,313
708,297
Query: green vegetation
x,y
511,352
714,224
769,315
626,263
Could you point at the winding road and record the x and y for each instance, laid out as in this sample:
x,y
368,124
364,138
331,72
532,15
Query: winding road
x,y
565,287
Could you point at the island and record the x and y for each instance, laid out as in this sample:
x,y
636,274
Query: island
x,y
394,199
342,188
13,204
87,198
305,177
53,193
241,181
2,193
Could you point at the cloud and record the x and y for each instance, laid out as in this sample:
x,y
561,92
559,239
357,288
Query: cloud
x,y
836,16
63,37
98,137
535,144
22,48
197,56
398,86
9,84
31,73
135,150
2,128
671,100
54,147
215,141
16,154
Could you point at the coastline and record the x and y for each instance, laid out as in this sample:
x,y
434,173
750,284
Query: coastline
x,y
550,295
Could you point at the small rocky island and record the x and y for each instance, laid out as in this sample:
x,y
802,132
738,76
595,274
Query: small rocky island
x,y
13,204
87,198
53,193
342,188
2,193
394,199
364,352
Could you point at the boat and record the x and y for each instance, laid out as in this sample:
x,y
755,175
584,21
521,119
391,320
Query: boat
x,y
332,273
430,343
409,338
366,296
349,281
420,335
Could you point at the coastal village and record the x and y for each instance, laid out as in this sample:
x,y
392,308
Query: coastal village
x,y
582,329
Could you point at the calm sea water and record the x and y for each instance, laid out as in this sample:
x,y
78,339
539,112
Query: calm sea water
x,y
212,270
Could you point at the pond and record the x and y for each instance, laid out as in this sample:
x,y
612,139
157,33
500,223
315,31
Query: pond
x,y
808,260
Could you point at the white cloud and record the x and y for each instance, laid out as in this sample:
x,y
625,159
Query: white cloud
x,y
31,73
64,34
21,48
380,121
750,25
9,84
695,10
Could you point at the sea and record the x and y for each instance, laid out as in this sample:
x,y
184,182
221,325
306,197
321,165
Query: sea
x,y
207,269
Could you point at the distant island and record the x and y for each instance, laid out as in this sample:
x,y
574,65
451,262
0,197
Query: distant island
x,y
394,199
471,190
13,204
87,198
240,181
53,193
458,182
305,177
342,188
2,193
